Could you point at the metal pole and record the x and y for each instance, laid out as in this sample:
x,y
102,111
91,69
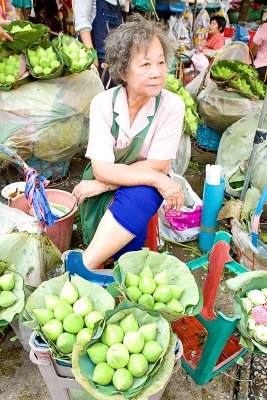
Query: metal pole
x,y
258,138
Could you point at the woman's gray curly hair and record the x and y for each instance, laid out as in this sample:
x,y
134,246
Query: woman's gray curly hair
x,y
136,34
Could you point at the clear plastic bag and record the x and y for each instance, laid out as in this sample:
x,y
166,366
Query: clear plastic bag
x,y
183,155
49,120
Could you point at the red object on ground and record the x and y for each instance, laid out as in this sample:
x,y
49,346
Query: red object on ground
x,y
251,35
228,32
152,233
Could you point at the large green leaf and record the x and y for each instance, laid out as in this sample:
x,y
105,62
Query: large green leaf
x,y
179,274
26,39
159,372
8,314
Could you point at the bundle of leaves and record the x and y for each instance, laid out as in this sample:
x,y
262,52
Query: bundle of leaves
x,y
251,306
25,34
239,76
75,55
162,277
44,61
141,364
66,309
12,295
191,118
13,71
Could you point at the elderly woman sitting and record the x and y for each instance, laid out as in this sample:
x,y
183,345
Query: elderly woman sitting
x,y
135,130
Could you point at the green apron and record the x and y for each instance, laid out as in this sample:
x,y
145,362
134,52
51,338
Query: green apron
x,y
93,208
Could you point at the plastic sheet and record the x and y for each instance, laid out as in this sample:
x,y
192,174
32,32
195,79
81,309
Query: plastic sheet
x,y
49,120
235,150
183,155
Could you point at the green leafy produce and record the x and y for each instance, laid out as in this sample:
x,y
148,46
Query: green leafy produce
x,y
222,73
9,70
58,310
247,70
258,88
44,61
17,28
134,360
181,286
243,86
25,34
191,118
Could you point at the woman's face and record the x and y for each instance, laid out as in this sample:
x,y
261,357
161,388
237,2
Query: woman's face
x,y
214,27
146,74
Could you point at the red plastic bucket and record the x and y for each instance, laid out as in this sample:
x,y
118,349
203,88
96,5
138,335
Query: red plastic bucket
x,y
251,36
229,32
61,232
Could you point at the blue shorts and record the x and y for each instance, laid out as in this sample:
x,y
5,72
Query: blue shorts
x,y
132,208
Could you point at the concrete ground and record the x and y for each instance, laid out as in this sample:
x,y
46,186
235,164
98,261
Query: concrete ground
x,y
20,379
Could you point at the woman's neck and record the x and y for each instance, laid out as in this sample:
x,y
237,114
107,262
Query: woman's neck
x,y
135,103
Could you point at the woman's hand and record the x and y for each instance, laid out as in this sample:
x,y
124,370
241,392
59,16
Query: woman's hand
x,y
86,189
171,191
3,34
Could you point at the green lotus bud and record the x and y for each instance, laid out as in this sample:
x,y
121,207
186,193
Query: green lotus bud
x,y
246,304
149,331
7,298
49,50
264,291
152,351
47,70
9,70
134,341
131,279
83,55
118,356
31,53
10,79
2,67
112,334
92,318
134,293
162,278
73,46
129,323
52,57
53,329
65,342
38,70
83,306
75,65
158,306
84,336
2,77
83,63
40,52
55,64
43,315
97,353
103,374
74,56
147,285
146,300
146,273
162,293
69,293
256,297
61,310
34,61
44,62
12,60
7,281
73,323
50,301
176,291
175,305
122,379
137,365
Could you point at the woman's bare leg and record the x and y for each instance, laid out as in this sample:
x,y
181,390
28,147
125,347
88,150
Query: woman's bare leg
x,y
109,238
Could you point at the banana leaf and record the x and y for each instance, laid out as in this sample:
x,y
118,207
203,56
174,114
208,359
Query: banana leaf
x,y
8,314
101,299
56,72
242,284
83,368
26,39
63,41
179,274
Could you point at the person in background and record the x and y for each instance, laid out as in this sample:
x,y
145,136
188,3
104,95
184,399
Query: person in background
x,y
259,51
135,130
215,39
93,20
3,34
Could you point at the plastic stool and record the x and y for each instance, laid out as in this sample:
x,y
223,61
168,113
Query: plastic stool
x,y
209,340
